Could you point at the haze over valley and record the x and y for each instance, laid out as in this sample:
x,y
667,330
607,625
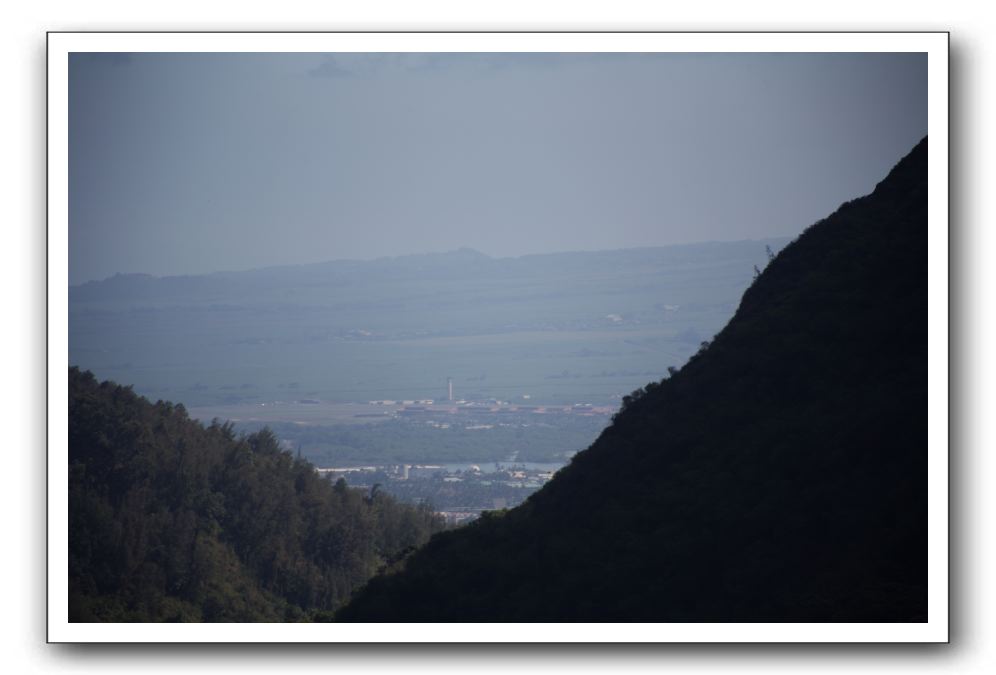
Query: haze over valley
x,y
316,344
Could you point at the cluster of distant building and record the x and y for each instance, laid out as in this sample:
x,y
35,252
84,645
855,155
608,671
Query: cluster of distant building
x,y
504,487
514,476
413,408
421,401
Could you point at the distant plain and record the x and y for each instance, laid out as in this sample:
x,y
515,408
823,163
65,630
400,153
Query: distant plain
x,y
556,329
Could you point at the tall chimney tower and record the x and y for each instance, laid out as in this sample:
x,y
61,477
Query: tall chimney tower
x,y
449,385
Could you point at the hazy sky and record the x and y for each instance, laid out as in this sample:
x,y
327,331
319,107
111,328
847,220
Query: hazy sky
x,y
189,163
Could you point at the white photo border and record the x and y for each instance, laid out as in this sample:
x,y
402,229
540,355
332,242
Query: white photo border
x,y
934,44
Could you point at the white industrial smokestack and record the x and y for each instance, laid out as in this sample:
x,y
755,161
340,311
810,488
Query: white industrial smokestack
x,y
449,384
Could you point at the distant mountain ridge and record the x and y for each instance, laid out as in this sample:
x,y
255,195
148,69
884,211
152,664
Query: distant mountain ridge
x,y
781,475
324,327
143,285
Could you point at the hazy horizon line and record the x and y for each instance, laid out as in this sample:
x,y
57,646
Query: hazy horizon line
x,y
459,249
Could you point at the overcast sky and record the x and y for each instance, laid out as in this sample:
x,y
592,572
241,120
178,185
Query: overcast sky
x,y
190,163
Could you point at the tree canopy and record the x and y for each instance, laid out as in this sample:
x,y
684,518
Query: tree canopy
x,y
170,520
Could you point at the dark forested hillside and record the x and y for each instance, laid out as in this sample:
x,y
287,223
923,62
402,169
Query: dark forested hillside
x,y
172,521
779,475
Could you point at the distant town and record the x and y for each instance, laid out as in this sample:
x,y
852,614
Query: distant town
x,y
429,407
460,492
460,456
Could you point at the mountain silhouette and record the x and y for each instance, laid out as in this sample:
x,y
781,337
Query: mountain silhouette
x,y
780,475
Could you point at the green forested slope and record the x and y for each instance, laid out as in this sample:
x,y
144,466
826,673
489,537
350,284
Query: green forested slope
x,y
780,475
172,521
